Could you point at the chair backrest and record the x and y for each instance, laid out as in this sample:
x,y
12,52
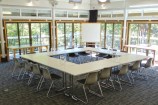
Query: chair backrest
x,y
91,78
123,70
46,73
27,65
16,62
71,54
105,73
149,62
136,65
35,69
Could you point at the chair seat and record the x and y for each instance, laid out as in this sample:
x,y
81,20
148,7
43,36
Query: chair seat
x,y
54,76
82,81
115,72
73,55
108,56
101,55
83,53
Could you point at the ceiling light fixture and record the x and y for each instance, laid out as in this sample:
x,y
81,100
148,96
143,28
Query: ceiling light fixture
x,y
7,12
103,1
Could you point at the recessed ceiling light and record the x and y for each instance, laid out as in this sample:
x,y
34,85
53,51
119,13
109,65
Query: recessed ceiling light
x,y
102,1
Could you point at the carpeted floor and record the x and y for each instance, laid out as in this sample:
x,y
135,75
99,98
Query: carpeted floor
x,y
17,92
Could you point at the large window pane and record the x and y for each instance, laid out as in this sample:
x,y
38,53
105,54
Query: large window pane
x,y
12,34
138,34
35,33
154,34
60,36
24,34
133,34
45,35
77,32
102,35
109,35
69,38
117,36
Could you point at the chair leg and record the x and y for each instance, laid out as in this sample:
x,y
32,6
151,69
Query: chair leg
x,y
20,74
39,83
84,89
132,77
119,82
13,71
101,92
129,79
52,84
30,79
110,79
23,75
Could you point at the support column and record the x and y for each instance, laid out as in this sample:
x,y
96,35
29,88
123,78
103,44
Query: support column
x,y
2,35
53,29
125,22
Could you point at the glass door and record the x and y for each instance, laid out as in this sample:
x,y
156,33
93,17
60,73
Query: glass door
x,y
77,32
60,36
24,33
12,34
12,37
102,38
117,36
69,36
109,35
36,33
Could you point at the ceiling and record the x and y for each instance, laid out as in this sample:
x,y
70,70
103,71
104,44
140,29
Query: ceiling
x,y
86,4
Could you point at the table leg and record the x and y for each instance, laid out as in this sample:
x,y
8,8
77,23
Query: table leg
x,y
154,56
31,49
40,48
147,52
47,48
14,51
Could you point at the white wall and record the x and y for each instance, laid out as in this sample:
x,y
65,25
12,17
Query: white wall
x,y
45,3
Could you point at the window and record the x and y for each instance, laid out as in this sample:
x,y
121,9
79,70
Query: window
x,y
68,35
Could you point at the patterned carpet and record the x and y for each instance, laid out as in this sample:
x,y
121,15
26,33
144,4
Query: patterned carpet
x,y
17,92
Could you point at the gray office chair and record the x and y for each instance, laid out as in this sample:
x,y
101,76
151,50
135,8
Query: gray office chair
x,y
105,77
27,68
17,65
35,72
135,68
147,66
48,76
74,57
91,79
120,73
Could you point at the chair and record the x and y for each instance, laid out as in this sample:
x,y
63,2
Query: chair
x,y
27,68
101,55
48,76
135,68
122,72
84,56
73,55
35,72
147,65
17,65
105,77
90,80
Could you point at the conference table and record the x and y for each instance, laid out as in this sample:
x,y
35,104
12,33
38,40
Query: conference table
x,y
79,69
147,48
73,69
25,47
